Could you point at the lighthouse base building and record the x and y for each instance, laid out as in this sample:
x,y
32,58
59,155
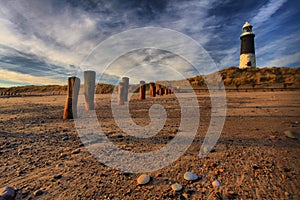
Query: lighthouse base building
x,y
247,54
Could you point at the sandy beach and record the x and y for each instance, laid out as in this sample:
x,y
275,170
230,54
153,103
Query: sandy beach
x,y
42,156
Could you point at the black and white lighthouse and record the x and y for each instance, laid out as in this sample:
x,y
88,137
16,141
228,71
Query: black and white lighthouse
x,y
247,55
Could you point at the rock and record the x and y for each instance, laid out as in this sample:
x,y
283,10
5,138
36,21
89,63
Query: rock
x,y
231,195
65,138
62,155
208,149
286,169
7,193
190,176
272,137
255,167
57,176
143,179
38,193
76,151
218,196
176,187
185,196
215,183
292,134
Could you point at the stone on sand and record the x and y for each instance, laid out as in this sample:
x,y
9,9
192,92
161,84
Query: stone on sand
x,y
190,176
176,187
292,134
143,179
7,193
215,183
38,193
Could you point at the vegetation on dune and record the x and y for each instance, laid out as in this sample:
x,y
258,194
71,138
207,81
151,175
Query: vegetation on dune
x,y
232,77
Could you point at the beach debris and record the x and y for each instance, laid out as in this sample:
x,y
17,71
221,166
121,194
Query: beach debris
x,y
176,187
190,176
143,179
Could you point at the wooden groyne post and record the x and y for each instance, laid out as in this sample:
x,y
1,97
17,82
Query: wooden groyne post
x,y
166,90
152,89
162,90
70,110
89,89
158,89
142,90
121,94
125,81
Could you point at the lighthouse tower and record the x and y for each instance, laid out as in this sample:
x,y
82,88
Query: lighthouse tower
x,y
247,55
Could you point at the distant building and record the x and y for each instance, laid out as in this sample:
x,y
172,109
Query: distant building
x,y
247,55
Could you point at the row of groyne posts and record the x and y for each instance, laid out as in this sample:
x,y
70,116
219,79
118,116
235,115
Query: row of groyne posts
x,y
70,111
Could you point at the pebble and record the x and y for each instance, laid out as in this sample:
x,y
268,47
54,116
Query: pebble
x,y
38,193
57,176
176,187
207,149
143,179
65,138
7,193
190,176
76,151
272,137
292,134
231,194
215,183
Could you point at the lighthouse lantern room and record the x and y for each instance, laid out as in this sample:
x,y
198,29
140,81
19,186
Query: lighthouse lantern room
x,y
247,54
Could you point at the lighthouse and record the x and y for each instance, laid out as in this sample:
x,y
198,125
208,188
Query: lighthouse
x,y
247,54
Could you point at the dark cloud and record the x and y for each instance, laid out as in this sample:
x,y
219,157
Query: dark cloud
x,y
27,63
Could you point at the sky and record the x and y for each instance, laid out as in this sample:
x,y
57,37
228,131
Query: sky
x,y
46,41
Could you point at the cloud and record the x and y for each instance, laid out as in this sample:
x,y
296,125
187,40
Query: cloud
x,y
284,61
266,11
52,37
25,79
270,51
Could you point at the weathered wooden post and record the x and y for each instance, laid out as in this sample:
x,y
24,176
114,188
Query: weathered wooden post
x,y
166,91
125,81
121,94
152,89
158,89
89,89
70,110
162,90
142,90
